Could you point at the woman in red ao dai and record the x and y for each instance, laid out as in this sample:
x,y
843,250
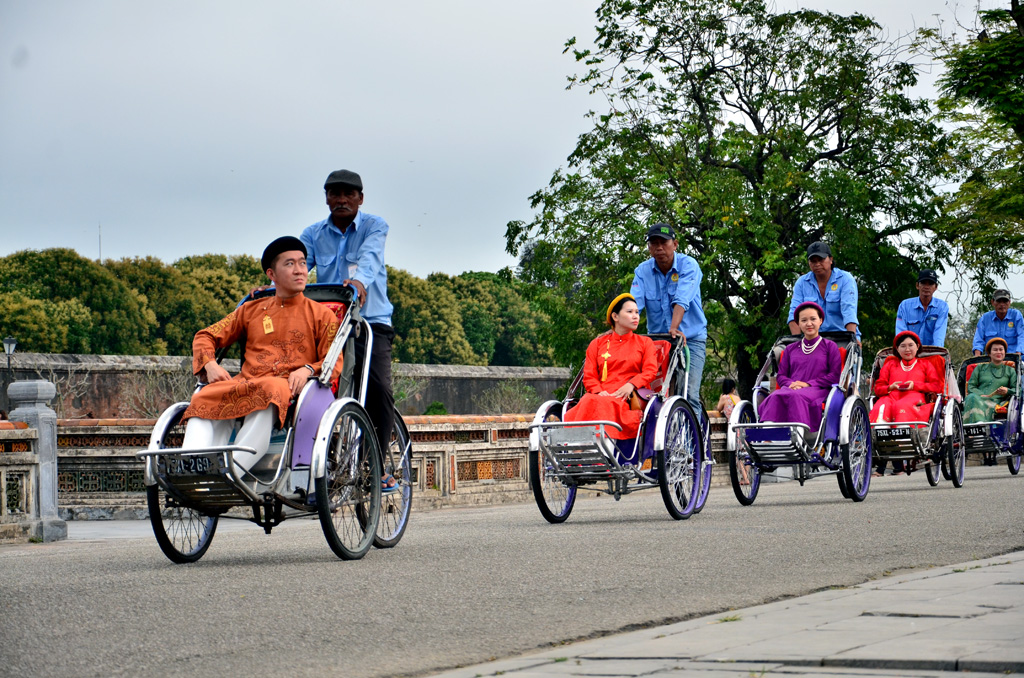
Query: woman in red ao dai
x,y
617,363
903,383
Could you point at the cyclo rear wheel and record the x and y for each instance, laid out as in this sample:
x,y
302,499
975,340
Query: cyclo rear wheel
x,y
396,505
706,460
680,459
956,450
348,494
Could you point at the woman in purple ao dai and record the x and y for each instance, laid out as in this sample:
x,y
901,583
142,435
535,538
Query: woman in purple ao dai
x,y
807,370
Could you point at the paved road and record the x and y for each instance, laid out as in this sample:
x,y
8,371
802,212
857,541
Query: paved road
x,y
467,585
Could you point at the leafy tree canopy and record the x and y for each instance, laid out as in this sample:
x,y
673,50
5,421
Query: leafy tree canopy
x,y
983,104
500,324
427,322
755,133
227,278
181,305
120,322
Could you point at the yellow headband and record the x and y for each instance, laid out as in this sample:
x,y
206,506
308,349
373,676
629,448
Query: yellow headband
x,y
608,316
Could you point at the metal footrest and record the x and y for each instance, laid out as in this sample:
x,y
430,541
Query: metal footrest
x,y
776,453
201,477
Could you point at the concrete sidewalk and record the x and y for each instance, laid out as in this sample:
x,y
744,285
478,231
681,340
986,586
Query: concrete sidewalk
x,y
966,617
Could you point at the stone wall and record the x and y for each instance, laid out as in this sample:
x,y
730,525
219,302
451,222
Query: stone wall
x,y
99,386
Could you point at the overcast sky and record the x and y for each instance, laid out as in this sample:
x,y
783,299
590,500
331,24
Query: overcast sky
x,y
192,127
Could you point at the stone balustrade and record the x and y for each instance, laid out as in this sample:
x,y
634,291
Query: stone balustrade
x,y
28,466
457,460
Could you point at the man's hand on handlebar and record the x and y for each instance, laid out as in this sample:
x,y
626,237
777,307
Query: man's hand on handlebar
x,y
360,289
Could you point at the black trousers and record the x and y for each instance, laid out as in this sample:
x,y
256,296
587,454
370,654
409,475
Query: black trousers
x,y
380,402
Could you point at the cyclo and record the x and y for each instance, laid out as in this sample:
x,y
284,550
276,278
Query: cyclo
x,y
937,443
668,452
325,463
841,446
1000,438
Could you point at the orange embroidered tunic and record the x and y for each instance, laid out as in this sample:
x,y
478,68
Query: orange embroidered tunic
x,y
280,337
612,360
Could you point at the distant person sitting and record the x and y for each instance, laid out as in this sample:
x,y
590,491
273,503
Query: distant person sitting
x,y
287,337
729,398
1003,322
925,315
832,289
807,370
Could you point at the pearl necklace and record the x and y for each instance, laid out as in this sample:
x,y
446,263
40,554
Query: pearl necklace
x,y
809,351
907,368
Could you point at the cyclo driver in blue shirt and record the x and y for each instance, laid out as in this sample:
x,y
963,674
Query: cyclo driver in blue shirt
x,y
1002,321
668,286
348,248
829,287
924,314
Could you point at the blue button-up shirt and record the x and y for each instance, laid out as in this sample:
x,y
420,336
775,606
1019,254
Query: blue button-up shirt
x,y
1009,328
658,292
356,254
927,323
840,302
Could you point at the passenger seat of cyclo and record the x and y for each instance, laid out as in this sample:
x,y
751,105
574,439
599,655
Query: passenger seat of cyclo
x,y
640,397
340,309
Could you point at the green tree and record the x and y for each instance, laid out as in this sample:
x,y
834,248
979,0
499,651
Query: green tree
x,y
227,278
983,103
428,326
45,326
120,321
180,304
756,134
500,324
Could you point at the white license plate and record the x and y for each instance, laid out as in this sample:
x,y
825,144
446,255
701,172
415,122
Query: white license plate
x,y
189,466
902,432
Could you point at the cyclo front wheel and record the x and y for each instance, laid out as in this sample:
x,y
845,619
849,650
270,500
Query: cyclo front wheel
x,y
743,472
183,534
348,494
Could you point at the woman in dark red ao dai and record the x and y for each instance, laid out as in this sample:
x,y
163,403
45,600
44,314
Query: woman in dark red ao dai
x,y
807,370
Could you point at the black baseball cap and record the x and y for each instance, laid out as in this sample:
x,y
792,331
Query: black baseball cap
x,y
343,178
819,249
1001,294
927,275
662,231
287,243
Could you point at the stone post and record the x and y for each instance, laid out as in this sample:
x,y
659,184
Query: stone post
x,y
29,404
